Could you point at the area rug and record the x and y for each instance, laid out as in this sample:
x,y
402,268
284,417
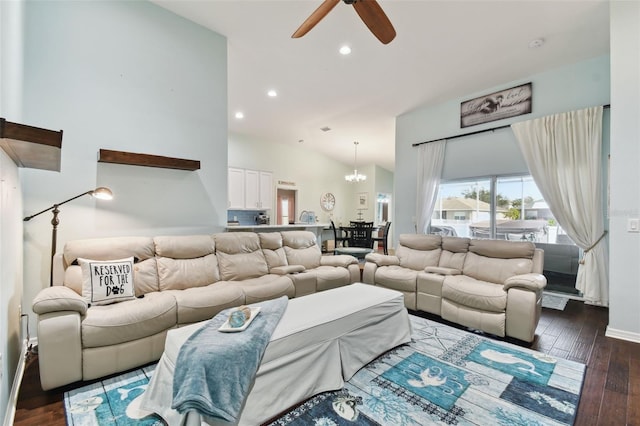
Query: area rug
x,y
553,301
444,376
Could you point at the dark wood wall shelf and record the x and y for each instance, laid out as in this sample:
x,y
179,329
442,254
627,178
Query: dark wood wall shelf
x,y
134,159
31,147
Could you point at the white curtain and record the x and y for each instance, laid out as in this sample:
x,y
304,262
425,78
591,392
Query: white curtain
x,y
430,162
563,153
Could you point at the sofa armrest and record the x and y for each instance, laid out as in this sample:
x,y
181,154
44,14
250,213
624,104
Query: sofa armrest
x,y
288,269
382,259
533,282
440,270
342,260
58,298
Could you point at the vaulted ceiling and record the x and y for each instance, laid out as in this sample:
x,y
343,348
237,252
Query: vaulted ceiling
x,y
443,50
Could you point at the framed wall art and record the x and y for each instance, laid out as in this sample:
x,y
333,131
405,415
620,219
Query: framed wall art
x,y
496,106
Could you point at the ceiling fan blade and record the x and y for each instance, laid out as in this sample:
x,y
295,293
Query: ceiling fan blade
x,y
374,17
315,17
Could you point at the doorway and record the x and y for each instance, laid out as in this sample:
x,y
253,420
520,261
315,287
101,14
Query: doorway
x,y
286,207
383,208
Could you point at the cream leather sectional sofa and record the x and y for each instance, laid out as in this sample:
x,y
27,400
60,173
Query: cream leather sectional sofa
x,y
178,280
489,285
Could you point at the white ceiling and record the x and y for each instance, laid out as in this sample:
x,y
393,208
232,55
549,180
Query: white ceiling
x,y
443,50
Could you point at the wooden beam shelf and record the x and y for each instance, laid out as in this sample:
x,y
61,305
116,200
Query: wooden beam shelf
x,y
31,147
146,160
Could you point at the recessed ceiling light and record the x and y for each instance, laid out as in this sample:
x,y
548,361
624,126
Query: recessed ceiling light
x,y
300,140
239,115
325,128
534,44
272,93
345,50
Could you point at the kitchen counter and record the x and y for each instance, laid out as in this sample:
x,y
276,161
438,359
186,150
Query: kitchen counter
x,y
273,228
316,228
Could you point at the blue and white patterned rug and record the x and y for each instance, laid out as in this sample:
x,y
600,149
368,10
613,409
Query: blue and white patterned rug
x,y
444,376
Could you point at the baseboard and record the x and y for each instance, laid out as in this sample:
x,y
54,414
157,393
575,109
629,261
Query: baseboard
x,y
15,388
621,334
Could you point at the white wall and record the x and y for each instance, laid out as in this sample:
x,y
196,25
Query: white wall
x,y
10,202
313,175
624,267
572,87
129,76
10,274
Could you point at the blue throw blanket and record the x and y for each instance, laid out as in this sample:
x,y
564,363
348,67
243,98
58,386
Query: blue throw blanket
x,y
215,370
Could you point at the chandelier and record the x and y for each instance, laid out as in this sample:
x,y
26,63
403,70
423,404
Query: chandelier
x,y
355,177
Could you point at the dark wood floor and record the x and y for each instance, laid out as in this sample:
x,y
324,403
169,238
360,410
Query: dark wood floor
x,y
610,395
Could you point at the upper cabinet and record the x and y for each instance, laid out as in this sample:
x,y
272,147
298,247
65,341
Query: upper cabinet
x,y
258,189
250,189
236,188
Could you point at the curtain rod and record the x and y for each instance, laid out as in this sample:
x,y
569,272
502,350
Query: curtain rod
x,y
476,132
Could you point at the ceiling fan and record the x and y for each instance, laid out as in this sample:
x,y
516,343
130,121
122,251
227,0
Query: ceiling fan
x,y
369,10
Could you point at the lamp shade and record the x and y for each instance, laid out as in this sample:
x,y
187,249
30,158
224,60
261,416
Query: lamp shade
x,y
102,193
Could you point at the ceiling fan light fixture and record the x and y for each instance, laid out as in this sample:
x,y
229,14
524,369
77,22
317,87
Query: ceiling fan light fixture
x,y
355,176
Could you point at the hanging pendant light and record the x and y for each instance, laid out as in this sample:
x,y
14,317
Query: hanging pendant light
x,y
355,177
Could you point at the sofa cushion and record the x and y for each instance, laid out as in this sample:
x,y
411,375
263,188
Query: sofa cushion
x,y
307,257
329,277
417,259
180,274
186,261
184,246
493,269
502,249
203,303
301,248
107,281
421,241
271,243
454,251
481,295
456,244
240,256
266,287
140,248
128,321
397,278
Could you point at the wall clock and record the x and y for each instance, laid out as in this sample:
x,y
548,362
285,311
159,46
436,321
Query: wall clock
x,y
327,201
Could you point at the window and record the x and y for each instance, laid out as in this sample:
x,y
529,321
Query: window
x,y
508,208
499,207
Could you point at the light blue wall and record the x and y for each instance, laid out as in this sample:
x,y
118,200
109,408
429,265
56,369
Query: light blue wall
x,y
129,76
492,153
624,265
11,267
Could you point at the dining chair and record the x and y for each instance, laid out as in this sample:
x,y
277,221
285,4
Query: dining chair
x,y
361,235
338,237
383,240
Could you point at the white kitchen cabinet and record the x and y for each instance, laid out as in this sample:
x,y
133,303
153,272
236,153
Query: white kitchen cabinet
x,y
236,188
258,189
250,189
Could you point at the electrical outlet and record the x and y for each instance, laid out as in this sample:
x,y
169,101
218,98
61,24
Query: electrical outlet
x,y
19,313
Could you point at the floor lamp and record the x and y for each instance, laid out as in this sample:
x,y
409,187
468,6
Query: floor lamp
x,y
100,193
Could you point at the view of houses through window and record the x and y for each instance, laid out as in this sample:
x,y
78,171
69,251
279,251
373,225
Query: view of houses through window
x,y
507,208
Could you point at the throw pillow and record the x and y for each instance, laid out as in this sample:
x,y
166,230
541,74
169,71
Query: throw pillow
x,y
107,281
